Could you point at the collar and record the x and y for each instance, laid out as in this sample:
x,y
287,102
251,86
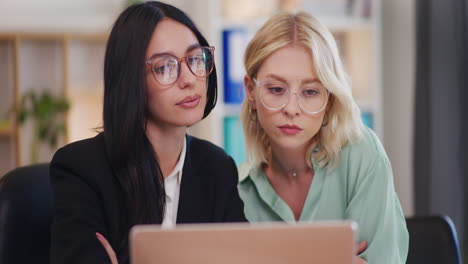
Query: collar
x,y
248,169
245,170
177,171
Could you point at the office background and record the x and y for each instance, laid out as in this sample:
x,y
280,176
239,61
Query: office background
x,y
408,82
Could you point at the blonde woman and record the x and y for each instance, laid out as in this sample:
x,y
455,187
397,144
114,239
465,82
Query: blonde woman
x,y
310,156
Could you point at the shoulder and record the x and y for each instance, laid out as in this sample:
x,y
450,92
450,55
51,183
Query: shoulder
x,y
208,159
204,151
86,150
366,148
362,158
364,162
84,159
83,146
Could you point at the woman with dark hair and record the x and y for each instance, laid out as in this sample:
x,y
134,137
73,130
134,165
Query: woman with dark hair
x,y
159,79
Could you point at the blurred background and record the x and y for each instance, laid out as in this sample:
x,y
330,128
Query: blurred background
x,y
407,60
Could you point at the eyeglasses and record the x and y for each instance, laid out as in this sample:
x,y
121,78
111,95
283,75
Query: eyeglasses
x,y
274,95
165,68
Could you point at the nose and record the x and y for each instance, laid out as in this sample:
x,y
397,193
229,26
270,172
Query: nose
x,y
186,78
292,108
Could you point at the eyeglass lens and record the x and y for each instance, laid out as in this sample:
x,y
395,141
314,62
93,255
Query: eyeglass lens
x,y
166,68
311,97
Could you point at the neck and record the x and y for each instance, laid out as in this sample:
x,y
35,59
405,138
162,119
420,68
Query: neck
x,y
289,163
167,144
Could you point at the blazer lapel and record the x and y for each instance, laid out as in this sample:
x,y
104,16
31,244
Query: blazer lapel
x,y
194,202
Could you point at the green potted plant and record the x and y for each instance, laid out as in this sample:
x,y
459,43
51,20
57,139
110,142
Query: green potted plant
x,y
46,112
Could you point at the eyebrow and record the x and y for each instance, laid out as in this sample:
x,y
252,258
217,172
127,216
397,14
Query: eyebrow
x,y
191,47
304,81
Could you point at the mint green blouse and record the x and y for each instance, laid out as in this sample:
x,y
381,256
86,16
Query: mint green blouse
x,y
359,188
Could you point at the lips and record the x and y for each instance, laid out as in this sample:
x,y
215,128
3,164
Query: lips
x,y
290,129
189,101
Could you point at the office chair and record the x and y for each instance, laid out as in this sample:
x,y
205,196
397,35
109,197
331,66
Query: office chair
x,y
25,215
432,239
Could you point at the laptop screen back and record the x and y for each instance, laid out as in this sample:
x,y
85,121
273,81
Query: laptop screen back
x,y
276,243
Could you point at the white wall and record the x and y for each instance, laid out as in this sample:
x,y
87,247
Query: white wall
x,y
58,15
398,40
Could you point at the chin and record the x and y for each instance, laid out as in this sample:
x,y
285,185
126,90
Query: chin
x,y
291,143
190,119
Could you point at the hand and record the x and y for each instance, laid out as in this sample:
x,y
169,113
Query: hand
x,y
360,248
108,248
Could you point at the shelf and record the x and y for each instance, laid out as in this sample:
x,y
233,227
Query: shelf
x,y
333,22
5,129
96,37
58,23
251,24
7,37
346,23
91,37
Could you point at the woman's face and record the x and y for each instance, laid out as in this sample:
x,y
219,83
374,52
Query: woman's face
x,y
292,126
181,103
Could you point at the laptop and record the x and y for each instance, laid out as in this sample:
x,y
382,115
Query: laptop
x,y
272,243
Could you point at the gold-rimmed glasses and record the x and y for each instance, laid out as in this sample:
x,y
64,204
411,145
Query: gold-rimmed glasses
x,y
165,68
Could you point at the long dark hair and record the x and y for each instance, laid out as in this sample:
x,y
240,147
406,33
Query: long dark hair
x,y
130,153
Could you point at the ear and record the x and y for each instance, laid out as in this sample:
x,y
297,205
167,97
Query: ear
x,y
331,100
249,90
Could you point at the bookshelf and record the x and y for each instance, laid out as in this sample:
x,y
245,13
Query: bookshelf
x,y
8,95
357,28
40,68
5,130
85,84
64,64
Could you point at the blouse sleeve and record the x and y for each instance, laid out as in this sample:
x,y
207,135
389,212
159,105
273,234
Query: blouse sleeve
x,y
374,205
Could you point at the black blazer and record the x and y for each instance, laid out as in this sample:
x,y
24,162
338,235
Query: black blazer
x,y
88,199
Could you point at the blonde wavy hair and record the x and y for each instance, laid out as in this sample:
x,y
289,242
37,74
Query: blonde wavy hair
x,y
343,117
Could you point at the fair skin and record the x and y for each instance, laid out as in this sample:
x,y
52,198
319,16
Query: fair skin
x,y
288,147
290,130
169,119
174,107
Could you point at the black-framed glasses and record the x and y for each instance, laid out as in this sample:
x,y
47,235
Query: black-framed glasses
x,y
165,68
